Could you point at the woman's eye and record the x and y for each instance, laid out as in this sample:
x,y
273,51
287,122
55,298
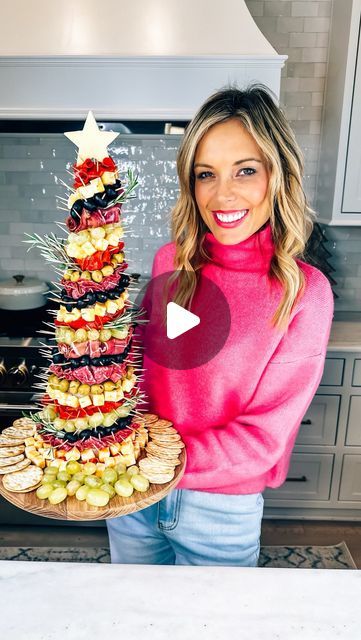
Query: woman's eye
x,y
203,174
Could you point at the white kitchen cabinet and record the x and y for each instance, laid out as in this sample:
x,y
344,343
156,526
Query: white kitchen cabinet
x,y
324,477
338,193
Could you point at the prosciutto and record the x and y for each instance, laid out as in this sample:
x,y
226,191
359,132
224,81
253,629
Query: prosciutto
x,y
90,374
93,219
95,348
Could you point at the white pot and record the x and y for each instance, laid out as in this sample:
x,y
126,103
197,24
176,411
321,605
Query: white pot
x,y
21,293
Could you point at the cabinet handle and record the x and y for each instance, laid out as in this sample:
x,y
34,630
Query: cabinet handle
x,y
307,421
299,479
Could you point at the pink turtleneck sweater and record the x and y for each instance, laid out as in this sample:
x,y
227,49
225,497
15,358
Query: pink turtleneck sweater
x,y
239,414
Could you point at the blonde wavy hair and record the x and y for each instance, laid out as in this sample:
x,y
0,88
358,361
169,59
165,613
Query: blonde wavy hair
x,y
291,217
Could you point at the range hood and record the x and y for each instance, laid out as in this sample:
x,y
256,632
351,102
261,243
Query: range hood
x,y
127,59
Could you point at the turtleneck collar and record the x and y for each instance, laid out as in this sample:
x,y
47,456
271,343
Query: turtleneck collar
x,y
253,254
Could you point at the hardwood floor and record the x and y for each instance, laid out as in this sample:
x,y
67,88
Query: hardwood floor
x,y
282,532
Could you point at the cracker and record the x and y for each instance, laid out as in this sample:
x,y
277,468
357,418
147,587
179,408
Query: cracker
x,y
15,467
5,452
24,422
149,417
10,442
13,432
163,423
159,478
5,462
26,479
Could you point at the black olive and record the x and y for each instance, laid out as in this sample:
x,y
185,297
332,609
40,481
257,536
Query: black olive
x,y
101,431
78,205
74,214
89,205
110,191
99,201
57,358
81,304
74,362
84,361
102,361
86,433
118,183
72,437
101,296
112,295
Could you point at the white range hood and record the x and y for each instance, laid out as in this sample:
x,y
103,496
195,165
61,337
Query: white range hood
x,y
127,59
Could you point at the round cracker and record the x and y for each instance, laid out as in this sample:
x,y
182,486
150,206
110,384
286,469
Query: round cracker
x,y
15,467
26,479
149,417
5,462
12,432
10,442
23,422
5,452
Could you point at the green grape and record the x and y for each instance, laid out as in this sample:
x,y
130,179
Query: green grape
x,y
72,487
131,471
72,467
44,491
108,488
109,476
63,475
58,495
51,471
120,468
139,482
89,468
123,488
69,426
82,492
97,498
79,476
48,479
92,481
59,483
95,420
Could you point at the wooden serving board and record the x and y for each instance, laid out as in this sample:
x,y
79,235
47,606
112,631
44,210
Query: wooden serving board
x,y
73,509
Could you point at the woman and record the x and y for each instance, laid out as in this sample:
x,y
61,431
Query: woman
x,y
240,412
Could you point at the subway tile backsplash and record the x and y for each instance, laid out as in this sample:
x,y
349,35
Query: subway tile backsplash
x,y
33,166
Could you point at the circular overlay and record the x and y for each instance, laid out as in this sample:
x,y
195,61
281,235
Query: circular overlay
x,y
197,345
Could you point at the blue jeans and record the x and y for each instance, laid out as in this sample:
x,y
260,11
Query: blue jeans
x,y
190,528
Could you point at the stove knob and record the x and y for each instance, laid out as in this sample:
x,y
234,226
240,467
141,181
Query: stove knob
x,y
19,374
2,372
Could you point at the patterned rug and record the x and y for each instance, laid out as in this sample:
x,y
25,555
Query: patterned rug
x,y
308,557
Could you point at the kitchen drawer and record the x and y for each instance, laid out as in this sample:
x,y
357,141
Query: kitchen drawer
x,y
333,372
350,485
308,478
353,436
356,374
319,425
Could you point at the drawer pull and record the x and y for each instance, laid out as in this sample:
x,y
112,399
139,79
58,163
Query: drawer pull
x,y
307,421
299,479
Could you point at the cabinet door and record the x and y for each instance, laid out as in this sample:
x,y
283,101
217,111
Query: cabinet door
x,y
319,425
353,436
308,478
350,486
351,201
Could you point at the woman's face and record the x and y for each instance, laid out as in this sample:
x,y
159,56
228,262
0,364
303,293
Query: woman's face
x,y
231,179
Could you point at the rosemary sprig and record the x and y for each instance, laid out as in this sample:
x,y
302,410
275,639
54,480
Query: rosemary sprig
x,y
127,194
52,249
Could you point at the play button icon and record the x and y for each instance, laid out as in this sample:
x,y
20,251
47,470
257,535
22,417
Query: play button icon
x,y
176,337
179,320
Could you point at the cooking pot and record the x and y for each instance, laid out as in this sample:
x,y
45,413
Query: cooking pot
x,y
20,293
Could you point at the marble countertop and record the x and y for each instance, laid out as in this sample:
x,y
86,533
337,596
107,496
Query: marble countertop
x,y
76,601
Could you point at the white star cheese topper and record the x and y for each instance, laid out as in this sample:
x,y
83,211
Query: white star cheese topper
x,y
92,142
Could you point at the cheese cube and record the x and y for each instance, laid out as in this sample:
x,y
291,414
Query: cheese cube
x,y
98,399
87,454
100,469
101,244
100,309
115,448
88,314
88,248
60,453
73,198
72,401
109,462
103,454
30,442
73,454
109,177
85,401
111,306
110,396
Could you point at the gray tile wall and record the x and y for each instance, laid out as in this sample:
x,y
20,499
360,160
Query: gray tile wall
x,y
31,167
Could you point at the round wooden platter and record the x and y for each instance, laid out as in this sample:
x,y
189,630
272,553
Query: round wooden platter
x,y
73,509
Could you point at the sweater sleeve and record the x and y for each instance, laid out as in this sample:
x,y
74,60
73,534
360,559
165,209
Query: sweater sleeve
x,y
252,444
